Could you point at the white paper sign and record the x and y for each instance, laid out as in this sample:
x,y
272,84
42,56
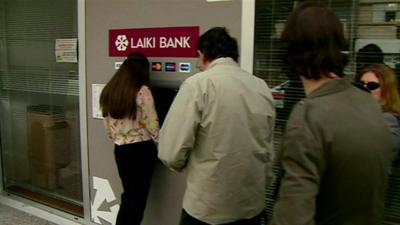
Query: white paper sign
x,y
117,65
96,92
66,50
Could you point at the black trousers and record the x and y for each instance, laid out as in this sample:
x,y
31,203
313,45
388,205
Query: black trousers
x,y
135,164
187,219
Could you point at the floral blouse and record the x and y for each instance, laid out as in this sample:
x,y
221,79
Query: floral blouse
x,y
144,128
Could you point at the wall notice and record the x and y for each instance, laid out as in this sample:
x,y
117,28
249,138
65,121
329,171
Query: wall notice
x,y
66,50
96,92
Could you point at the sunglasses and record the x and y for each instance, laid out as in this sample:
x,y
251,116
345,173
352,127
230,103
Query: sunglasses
x,y
372,85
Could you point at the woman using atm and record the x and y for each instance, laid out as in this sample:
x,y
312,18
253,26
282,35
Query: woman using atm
x,y
132,124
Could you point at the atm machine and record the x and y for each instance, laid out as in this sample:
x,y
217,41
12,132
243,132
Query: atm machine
x,y
167,32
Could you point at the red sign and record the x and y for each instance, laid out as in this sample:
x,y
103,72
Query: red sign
x,y
155,42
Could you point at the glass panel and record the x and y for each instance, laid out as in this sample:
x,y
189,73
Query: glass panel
x,y
39,103
378,41
365,22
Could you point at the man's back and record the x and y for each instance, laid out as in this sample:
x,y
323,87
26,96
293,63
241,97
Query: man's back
x,y
233,142
336,150
358,160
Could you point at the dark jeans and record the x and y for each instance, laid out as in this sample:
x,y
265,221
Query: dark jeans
x,y
187,219
135,164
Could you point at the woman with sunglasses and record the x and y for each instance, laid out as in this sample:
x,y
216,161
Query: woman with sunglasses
x,y
380,80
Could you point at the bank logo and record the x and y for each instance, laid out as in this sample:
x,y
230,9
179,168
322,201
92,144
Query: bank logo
x,y
121,43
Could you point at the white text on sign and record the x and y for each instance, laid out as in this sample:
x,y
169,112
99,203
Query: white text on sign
x,y
162,42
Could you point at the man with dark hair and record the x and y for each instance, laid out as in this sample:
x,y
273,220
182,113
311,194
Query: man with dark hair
x,y
368,55
336,149
219,130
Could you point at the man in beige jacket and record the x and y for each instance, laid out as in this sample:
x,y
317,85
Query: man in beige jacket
x,y
220,130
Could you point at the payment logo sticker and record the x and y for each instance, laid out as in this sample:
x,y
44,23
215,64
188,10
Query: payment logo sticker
x,y
184,67
156,66
170,67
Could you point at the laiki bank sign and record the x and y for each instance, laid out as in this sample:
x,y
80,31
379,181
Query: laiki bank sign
x,y
155,42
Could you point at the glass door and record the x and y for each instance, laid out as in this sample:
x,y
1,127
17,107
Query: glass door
x,y
366,23
39,102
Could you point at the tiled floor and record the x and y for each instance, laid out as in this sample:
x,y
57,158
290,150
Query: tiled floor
x,y
11,216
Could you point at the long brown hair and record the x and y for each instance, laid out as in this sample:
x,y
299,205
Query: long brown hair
x,y
118,98
389,86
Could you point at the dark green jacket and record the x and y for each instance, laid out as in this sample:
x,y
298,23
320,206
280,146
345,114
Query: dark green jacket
x,y
335,159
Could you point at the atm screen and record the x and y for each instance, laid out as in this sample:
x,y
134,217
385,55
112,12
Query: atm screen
x,y
163,98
